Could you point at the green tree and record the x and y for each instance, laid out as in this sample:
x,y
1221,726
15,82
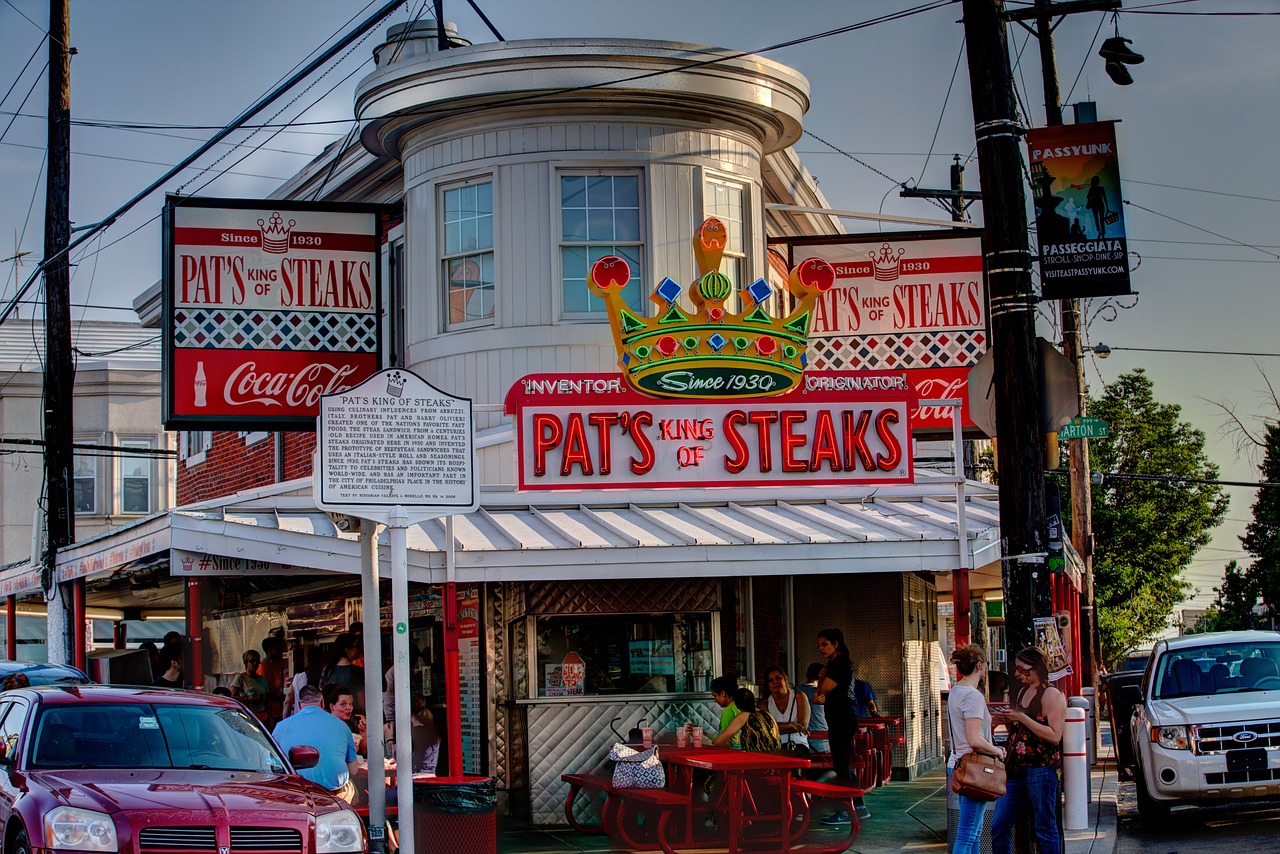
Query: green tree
x,y
1146,531
1232,609
1262,538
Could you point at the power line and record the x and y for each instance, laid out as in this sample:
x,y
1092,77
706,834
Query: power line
x,y
148,162
1198,228
1168,478
1192,352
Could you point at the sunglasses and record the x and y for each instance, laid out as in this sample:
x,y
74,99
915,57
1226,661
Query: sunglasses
x,y
1022,669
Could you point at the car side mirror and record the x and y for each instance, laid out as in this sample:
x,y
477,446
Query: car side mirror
x,y
1131,694
301,756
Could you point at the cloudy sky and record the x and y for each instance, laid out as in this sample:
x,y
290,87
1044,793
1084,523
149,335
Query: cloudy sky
x,y
1199,133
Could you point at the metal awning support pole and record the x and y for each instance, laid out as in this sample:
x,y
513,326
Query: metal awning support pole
x,y
452,680
11,627
960,576
375,714
397,524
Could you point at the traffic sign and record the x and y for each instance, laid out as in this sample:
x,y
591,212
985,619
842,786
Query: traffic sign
x,y
1087,427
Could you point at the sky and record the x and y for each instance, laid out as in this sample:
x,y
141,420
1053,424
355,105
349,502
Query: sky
x,y
1198,139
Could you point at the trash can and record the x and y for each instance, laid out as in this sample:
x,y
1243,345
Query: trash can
x,y
455,815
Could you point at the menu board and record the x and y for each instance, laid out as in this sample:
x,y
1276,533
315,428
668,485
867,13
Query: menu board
x,y
469,678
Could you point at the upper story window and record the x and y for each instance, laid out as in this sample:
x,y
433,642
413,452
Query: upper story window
x,y
85,484
599,216
727,202
467,260
136,472
193,446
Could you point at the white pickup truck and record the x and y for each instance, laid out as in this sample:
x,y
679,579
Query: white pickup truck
x,y
1206,721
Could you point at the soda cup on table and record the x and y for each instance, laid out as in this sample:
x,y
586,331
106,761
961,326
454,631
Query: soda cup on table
x,y
695,736
682,737
646,737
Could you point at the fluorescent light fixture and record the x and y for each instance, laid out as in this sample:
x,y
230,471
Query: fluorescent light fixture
x,y
89,613
172,614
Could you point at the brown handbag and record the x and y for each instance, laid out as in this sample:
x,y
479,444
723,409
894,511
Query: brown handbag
x,y
979,777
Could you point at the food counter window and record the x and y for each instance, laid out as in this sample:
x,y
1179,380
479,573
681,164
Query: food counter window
x,y
623,654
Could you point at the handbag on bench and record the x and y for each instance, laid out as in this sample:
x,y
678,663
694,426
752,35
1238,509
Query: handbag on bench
x,y
637,769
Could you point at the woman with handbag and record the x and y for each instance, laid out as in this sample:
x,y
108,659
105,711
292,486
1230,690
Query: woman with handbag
x,y
790,709
1035,721
970,733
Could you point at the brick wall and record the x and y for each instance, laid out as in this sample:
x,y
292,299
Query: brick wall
x,y
231,466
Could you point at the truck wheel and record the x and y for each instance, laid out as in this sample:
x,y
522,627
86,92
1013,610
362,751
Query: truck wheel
x,y
1152,811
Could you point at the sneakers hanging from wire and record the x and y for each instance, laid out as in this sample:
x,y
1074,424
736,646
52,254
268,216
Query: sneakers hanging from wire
x,y
1119,56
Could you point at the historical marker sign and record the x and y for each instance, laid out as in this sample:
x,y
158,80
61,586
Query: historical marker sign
x,y
396,441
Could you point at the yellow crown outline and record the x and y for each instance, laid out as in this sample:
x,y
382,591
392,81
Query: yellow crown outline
x,y
711,352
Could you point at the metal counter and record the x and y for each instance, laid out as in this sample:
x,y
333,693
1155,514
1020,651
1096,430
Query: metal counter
x,y
572,734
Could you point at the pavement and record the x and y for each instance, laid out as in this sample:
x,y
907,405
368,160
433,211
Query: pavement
x,y
906,816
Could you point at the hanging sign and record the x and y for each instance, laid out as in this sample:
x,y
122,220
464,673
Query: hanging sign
x,y
267,306
1075,184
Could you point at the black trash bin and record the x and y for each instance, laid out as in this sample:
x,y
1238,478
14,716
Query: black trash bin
x,y
455,815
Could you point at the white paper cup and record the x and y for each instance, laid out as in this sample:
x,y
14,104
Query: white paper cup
x,y
682,737
696,736
646,737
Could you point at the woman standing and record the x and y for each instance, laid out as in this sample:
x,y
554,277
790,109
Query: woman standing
x,y
833,696
970,732
790,709
1035,734
250,688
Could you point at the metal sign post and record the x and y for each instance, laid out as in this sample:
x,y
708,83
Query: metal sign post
x,y
399,451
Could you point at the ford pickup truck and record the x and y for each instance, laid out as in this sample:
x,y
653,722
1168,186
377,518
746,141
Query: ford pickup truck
x,y
1205,725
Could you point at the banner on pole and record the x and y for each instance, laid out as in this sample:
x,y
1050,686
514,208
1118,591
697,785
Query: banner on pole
x,y
1075,178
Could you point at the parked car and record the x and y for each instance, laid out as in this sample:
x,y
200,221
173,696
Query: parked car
x,y
1205,725
132,770
39,674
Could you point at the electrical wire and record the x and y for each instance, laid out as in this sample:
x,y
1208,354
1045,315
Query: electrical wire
x,y
1198,228
947,99
33,23
1129,180
148,162
27,65
34,84
1088,55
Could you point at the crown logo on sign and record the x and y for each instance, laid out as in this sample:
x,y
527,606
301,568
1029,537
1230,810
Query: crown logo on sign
x,y
187,563
395,384
275,234
887,265
712,351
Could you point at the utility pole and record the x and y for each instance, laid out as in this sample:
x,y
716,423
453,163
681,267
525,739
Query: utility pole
x,y
957,198
58,371
1081,485
1019,448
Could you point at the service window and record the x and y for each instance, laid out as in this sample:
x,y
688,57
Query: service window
x,y
623,654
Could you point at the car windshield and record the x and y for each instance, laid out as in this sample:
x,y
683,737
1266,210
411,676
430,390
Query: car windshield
x,y
1219,668
152,735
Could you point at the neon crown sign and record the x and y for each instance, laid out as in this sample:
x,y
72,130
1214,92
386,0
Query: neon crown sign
x,y
712,352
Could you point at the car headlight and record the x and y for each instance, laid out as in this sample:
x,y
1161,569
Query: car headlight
x,y
339,831
1171,737
75,829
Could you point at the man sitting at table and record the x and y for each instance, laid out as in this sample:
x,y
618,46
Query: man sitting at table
x,y
722,690
314,727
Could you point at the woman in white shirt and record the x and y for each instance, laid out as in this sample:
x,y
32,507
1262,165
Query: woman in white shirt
x,y
970,731
790,709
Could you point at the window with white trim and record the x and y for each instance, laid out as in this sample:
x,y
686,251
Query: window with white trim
x,y
600,216
193,445
727,202
84,480
136,477
466,218
253,437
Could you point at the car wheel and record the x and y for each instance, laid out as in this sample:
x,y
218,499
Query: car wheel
x,y
1152,811
21,843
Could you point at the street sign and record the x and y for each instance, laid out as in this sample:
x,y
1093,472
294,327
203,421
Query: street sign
x,y
1087,427
395,441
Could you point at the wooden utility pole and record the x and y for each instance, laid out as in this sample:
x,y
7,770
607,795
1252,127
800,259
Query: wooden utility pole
x,y
58,370
1019,449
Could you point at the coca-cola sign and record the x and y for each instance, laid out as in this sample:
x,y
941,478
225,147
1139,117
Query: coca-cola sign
x,y
269,306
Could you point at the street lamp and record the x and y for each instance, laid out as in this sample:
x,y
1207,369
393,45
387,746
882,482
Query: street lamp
x,y
1101,350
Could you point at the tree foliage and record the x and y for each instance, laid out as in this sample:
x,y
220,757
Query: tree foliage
x,y
1146,531
1232,609
1262,537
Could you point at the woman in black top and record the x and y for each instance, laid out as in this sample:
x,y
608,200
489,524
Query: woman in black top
x,y
833,694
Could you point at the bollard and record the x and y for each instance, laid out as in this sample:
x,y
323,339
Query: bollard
x,y
1075,771
1091,724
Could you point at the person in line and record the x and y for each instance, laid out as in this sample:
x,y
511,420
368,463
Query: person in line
x,y
314,727
275,670
171,673
970,732
817,713
338,701
425,739
312,674
790,709
341,669
722,690
250,688
153,656
834,695
356,630
755,728
1035,721
864,700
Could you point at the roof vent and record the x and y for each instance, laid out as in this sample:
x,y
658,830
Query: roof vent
x,y
414,39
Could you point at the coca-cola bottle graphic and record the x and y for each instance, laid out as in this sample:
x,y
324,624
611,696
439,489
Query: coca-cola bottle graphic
x,y
201,384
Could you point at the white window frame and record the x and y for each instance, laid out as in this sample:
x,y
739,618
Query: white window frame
x,y
95,464
478,253
394,298
638,289
252,438
733,255
193,445
149,443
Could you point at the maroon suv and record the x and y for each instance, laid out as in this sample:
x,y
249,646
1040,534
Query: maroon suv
x,y
95,768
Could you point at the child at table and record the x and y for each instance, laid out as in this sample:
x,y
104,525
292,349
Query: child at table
x,y
755,728
722,691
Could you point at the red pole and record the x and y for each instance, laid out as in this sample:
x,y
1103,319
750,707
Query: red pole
x,y
11,627
79,625
196,677
452,681
960,605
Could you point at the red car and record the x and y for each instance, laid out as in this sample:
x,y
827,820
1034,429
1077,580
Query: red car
x,y
96,768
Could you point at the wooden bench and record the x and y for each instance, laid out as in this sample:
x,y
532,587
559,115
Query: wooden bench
x,y
811,790
591,782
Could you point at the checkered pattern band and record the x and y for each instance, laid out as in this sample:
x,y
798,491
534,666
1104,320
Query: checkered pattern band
x,y
890,352
275,330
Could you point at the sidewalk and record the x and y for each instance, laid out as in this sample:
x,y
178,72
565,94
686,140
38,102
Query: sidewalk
x,y
1100,837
